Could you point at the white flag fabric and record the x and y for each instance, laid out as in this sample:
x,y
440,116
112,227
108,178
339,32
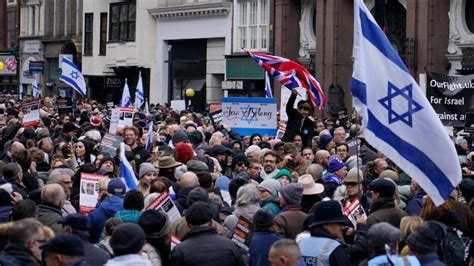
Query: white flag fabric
x,y
126,171
147,110
36,90
20,92
72,76
398,120
268,87
126,101
139,94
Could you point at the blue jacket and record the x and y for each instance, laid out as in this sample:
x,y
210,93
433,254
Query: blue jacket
x,y
431,259
5,211
415,204
260,246
107,209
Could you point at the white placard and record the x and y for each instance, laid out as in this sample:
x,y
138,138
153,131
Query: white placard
x,y
285,96
178,105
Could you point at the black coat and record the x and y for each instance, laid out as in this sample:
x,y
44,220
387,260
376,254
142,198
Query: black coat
x,y
17,254
293,126
203,246
140,155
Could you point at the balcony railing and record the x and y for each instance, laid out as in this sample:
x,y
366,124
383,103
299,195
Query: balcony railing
x,y
173,3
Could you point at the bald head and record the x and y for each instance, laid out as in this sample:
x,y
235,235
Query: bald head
x,y
188,179
284,252
322,157
16,146
53,194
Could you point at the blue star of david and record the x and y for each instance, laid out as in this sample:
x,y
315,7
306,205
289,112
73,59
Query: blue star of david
x,y
246,116
412,106
74,74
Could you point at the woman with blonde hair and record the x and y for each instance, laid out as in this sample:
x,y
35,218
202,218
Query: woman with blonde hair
x,y
408,225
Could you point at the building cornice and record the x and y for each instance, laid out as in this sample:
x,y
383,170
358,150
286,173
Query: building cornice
x,y
192,11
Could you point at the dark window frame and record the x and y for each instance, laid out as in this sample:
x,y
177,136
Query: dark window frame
x,y
11,29
88,34
103,34
122,22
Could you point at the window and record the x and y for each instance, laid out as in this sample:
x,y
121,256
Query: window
x,y
11,21
103,33
88,33
122,21
253,25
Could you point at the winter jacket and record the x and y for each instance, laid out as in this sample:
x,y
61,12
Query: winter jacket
x,y
140,155
94,255
128,260
180,228
50,215
384,210
290,222
5,211
260,246
272,204
415,204
107,209
203,246
247,211
16,255
181,199
296,124
430,259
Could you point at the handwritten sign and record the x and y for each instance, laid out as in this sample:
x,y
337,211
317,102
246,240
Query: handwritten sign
x,y
247,116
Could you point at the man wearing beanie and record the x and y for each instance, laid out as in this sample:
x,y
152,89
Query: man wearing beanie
x,y
133,204
290,221
383,208
127,241
424,244
202,245
337,172
324,246
269,190
239,165
263,238
112,204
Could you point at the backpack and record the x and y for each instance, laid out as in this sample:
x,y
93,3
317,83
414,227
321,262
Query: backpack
x,y
451,248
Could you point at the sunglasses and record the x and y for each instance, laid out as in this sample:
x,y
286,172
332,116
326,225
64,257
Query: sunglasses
x,y
241,164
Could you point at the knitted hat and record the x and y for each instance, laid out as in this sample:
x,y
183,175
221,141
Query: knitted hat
x,y
385,188
95,121
270,185
383,233
335,163
355,175
154,223
390,174
263,218
126,239
324,140
183,152
116,187
146,168
292,193
197,166
199,213
179,136
64,244
196,195
422,241
283,172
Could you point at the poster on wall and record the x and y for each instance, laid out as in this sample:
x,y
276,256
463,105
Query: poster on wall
x,y
247,116
451,97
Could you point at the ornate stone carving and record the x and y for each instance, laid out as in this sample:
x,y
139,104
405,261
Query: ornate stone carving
x,y
192,11
307,36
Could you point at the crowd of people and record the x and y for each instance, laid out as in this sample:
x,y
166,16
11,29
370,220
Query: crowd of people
x,y
320,195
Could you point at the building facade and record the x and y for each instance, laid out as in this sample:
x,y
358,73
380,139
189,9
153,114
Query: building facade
x,y
9,46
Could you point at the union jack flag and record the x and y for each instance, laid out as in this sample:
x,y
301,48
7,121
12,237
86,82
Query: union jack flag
x,y
291,75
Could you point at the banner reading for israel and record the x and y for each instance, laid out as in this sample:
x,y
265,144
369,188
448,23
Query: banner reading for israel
x,y
398,119
247,116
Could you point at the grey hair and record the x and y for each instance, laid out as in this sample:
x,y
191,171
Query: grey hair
x,y
316,171
247,194
381,234
24,230
53,194
55,175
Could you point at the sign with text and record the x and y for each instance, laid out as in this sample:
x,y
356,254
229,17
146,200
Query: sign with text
x,y
247,116
164,203
243,233
110,143
31,115
120,118
89,192
36,67
450,96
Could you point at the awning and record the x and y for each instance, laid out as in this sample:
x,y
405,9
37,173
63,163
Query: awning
x,y
195,84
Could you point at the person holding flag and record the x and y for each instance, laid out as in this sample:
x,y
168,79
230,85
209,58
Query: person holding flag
x,y
397,118
72,76
126,170
126,100
299,122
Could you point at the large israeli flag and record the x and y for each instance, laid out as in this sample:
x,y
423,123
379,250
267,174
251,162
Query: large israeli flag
x,y
72,76
126,101
139,94
36,90
398,120
126,171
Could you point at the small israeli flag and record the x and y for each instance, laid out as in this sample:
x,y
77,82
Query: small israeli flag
x,y
126,171
36,90
126,101
139,94
398,120
149,138
72,76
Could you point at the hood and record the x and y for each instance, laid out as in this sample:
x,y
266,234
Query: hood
x,y
112,205
247,210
